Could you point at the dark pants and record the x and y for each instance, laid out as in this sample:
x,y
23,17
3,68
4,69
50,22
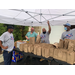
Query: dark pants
x,y
7,57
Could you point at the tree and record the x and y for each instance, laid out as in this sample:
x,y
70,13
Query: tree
x,y
2,28
18,33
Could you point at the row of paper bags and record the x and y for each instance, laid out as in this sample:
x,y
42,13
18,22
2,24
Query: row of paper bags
x,y
48,50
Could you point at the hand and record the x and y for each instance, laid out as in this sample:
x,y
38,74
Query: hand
x,y
48,22
38,35
27,38
5,47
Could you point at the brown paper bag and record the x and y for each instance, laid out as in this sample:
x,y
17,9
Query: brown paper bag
x,y
30,48
47,51
35,48
74,58
70,49
38,39
71,44
32,40
74,49
60,54
21,47
51,52
43,51
61,43
55,55
26,48
70,57
39,51
74,45
56,45
66,41
47,45
64,53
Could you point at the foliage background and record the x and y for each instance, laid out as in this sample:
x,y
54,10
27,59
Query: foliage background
x,y
19,31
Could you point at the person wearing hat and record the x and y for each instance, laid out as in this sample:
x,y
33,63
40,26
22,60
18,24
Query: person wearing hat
x,y
7,45
69,33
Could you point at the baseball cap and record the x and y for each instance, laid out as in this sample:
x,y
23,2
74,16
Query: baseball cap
x,y
10,27
67,24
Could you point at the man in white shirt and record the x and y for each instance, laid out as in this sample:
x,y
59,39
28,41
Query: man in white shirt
x,y
7,45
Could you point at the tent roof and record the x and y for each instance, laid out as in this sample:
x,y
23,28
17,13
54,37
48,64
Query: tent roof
x,y
37,17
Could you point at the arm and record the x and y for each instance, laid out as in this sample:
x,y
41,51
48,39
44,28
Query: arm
x,y
49,31
27,36
2,45
2,39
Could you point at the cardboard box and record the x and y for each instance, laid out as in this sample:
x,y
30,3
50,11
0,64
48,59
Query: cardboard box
x,y
15,43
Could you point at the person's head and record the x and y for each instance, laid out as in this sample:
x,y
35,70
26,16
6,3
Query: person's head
x,y
10,29
44,30
67,26
32,29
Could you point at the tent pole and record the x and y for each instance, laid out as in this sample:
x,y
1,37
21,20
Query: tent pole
x,y
32,16
44,18
44,14
27,18
61,15
23,11
40,15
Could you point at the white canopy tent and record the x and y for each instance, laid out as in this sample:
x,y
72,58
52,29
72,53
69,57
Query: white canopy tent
x,y
37,17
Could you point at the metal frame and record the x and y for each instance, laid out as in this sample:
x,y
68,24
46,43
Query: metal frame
x,y
41,15
61,15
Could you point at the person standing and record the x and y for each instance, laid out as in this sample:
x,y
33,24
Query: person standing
x,y
32,33
7,45
69,33
45,34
